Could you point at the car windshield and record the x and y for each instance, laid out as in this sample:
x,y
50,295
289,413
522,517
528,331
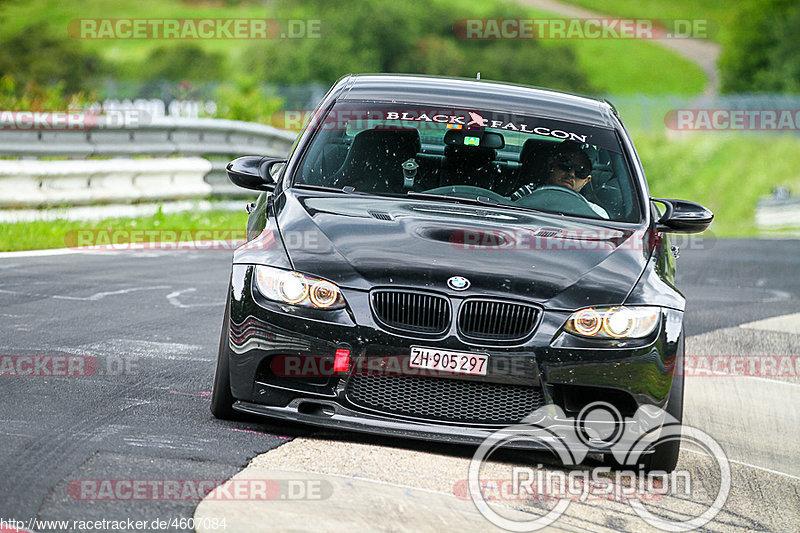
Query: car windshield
x,y
471,155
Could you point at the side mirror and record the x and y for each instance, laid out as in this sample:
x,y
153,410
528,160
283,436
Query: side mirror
x,y
682,216
253,172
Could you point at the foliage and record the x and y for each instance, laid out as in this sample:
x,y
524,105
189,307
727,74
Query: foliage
x,y
761,54
246,100
33,97
184,61
390,36
40,56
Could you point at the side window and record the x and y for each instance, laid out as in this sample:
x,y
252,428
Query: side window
x,y
326,157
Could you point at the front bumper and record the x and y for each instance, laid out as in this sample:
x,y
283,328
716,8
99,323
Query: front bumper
x,y
555,367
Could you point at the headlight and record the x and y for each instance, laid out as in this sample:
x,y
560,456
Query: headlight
x,y
614,322
294,288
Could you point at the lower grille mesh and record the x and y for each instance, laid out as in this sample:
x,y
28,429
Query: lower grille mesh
x,y
445,399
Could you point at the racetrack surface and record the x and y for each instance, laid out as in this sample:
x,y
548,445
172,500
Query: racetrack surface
x,y
151,321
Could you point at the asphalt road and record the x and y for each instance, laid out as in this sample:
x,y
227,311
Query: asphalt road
x,y
151,322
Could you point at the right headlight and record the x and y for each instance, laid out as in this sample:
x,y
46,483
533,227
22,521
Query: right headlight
x,y
287,286
622,322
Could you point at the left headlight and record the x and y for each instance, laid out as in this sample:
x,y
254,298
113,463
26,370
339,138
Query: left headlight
x,y
286,286
621,322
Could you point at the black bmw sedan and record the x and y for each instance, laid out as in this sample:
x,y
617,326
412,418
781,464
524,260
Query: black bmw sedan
x,y
439,258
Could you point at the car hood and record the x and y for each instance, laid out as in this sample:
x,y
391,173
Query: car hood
x,y
361,242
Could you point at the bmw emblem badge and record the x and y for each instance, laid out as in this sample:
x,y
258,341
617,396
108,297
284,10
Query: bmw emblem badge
x,y
458,283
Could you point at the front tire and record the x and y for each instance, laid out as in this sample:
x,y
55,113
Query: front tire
x,y
664,456
221,397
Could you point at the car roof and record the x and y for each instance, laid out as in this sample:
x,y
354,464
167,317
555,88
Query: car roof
x,y
477,94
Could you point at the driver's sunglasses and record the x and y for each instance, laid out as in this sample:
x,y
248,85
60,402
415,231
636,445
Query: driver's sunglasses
x,y
565,164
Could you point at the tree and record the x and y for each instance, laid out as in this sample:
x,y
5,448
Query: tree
x,y
761,55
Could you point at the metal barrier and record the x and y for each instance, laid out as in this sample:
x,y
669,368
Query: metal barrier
x,y
216,140
57,183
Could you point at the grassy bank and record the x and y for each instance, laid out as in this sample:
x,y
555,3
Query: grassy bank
x,y
716,12
726,172
65,233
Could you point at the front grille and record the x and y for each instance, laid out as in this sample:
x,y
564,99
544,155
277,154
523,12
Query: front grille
x,y
412,311
450,400
495,320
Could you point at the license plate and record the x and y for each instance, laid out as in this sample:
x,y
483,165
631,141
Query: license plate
x,y
447,361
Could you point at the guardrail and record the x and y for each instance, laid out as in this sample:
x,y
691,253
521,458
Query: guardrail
x,y
778,213
215,140
54,183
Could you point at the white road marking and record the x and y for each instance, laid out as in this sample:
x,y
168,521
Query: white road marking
x,y
770,380
117,249
101,295
783,324
124,348
173,299
37,253
771,471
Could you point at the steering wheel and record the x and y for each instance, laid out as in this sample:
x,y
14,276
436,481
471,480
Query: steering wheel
x,y
558,199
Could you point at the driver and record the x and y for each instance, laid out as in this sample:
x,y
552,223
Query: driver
x,y
568,166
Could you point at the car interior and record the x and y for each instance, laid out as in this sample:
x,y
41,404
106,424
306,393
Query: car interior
x,y
458,162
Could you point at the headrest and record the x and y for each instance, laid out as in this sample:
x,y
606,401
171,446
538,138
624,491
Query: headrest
x,y
383,135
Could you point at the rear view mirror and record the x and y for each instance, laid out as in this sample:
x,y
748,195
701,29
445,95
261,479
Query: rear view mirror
x,y
480,138
253,172
682,216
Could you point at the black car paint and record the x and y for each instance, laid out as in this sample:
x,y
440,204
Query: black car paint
x,y
356,250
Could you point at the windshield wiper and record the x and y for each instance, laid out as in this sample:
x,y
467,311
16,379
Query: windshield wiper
x,y
480,200
346,189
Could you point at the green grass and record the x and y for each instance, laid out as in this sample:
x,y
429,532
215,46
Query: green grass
x,y
717,12
621,66
65,233
56,15
629,66
725,172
